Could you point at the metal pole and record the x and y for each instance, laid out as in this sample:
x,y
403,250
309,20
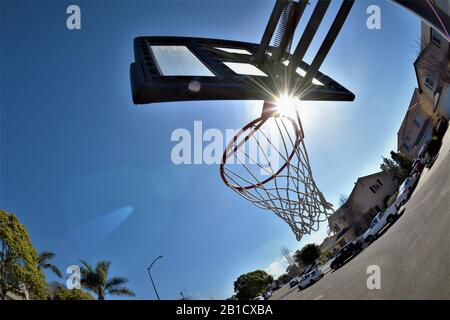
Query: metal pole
x,y
151,279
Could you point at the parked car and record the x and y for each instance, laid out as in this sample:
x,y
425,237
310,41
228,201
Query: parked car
x,y
349,250
267,294
294,282
274,286
379,222
418,165
309,278
406,189
259,298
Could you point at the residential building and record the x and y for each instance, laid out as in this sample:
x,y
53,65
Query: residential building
x,y
328,244
432,68
431,99
416,126
367,198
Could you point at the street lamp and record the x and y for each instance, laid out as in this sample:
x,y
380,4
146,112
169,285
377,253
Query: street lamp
x,y
151,279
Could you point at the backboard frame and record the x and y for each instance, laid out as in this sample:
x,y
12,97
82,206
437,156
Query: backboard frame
x,y
149,85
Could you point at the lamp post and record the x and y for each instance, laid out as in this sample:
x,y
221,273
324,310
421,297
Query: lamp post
x,y
151,279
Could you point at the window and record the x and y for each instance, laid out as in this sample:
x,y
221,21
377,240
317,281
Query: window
x,y
435,38
234,50
379,182
245,68
417,122
405,146
429,82
374,188
302,72
179,61
377,208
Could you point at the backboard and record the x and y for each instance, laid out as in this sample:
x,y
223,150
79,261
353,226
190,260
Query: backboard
x,y
186,68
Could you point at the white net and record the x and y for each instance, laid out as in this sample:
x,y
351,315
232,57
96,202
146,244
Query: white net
x,y
267,164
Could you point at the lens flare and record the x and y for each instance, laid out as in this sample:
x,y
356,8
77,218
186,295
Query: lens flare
x,y
287,106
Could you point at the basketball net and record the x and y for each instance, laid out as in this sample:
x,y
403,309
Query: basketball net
x,y
267,164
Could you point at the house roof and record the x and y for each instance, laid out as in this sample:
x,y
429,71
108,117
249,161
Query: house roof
x,y
416,70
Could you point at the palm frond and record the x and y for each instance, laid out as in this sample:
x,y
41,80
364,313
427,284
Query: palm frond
x,y
55,270
45,256
86,267
102,269
102,266
115,281
89,278
121,291
51,267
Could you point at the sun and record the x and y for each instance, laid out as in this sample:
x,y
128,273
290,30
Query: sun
x,y
287,106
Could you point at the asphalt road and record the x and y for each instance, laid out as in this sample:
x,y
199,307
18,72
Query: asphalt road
x,y
413,254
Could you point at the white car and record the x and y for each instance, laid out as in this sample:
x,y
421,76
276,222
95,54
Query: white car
x,y
405,190
312,276
268,294
294,282
259,298
379,222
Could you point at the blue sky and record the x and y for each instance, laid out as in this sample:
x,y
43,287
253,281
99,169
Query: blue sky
x,y
90,174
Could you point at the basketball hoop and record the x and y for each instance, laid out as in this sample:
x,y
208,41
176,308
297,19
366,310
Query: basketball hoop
x,y
266,163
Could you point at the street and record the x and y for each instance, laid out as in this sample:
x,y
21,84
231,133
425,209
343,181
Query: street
x,y
413,254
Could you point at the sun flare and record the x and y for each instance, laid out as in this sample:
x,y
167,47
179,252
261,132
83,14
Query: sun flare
x,y
287,106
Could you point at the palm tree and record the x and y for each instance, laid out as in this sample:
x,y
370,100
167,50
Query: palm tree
x,y
43,263
96,280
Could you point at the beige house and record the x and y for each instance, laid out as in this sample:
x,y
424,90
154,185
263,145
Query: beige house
x,y
431,100
432,68
328,244
368,197
416,127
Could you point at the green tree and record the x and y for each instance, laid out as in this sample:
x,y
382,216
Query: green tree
x,y
44,264
294,270
62,293
252,284
19,270
393,169
398,167
96,280
403,161
308,254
